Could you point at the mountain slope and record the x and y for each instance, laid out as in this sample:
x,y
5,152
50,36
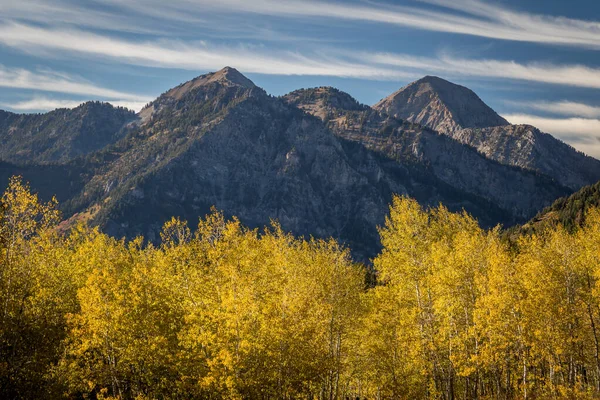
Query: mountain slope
x,y
60,181
525,146
60,135
440,105
457,112
567,211
219,141
517,191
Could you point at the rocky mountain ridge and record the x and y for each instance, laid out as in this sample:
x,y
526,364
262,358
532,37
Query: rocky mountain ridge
x,y
454,163
232,146
61,135
316,160
458,112
527,147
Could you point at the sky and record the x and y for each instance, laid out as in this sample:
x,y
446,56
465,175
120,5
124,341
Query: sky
x,y
535,62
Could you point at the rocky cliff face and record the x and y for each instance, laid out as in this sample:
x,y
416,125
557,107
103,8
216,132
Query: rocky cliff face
x,y
526,147
440,105
61,135
456,111
324,102
515,190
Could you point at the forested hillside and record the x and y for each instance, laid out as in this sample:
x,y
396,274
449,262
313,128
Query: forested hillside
x,y
569,211
61,135
225,312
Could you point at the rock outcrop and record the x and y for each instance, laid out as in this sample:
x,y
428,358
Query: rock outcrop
x,y
440,105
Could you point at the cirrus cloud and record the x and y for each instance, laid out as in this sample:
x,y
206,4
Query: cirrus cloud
x,y
256,59
466,17
53,81
563,107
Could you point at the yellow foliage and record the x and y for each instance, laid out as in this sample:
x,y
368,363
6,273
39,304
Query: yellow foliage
x,y
227,312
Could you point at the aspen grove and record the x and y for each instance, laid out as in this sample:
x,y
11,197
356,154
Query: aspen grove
x,y
227,312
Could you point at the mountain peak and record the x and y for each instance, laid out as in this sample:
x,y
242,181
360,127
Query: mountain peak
x,y
323,101
433,79
232,76
440,105
227,76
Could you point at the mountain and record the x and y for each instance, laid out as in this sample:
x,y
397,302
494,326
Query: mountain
x,y
221,141
61,135
518,192
459,113
316,160
227,77
440,105
218,140
49,180
527,147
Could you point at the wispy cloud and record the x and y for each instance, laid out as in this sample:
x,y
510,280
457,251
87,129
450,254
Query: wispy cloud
x,y
57,82
257,59
82,14
192,56
569,75
39,103
500,22
564,107
468,17
581,133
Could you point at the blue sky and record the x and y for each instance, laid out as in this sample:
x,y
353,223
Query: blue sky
x,y
534,62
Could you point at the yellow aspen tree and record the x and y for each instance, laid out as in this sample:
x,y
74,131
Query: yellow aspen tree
x,y
26,342
498,320
404,266
456,260
588,259
123,342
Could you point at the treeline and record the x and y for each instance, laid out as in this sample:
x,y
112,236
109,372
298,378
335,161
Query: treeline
x,y
228,312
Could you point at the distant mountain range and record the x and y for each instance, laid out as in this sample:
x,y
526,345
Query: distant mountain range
x,y
315,160
61,135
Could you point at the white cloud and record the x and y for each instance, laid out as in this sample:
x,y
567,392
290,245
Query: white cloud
x,y
499,22
79,13
581,133
564,107
569,75
253,59
469,17
196,56
52,81
42,103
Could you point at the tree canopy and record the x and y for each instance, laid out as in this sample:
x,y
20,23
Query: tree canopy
x,y
223,311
